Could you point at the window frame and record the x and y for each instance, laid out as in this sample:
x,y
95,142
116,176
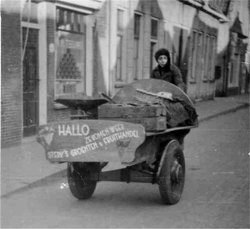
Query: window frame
x,y
213,56
206,65
154,36
153,42
200,56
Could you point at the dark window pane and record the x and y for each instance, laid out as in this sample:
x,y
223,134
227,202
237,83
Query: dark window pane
x,y
119,20
154,28
137,26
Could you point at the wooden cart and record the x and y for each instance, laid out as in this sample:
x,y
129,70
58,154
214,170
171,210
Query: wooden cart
x,y
88,145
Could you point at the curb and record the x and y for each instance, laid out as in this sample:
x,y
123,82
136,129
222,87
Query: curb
x,y
63,173
43,181
242,106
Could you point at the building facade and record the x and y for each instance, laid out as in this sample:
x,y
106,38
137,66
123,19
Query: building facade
x,y
233,49
52,48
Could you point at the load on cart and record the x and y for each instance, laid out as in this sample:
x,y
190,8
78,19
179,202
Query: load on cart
x,y
142,127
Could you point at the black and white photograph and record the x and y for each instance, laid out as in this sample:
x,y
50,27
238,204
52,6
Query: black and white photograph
x,y
125,114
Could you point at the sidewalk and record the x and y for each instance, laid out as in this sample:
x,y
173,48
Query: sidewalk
x,y
25,166
220,105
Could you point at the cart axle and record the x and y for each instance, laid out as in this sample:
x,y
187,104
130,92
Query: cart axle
x,y
124,175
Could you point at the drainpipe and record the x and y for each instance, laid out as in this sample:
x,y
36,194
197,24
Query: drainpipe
x,y
110,82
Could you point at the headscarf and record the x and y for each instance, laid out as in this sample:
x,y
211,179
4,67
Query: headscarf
x,y
165,52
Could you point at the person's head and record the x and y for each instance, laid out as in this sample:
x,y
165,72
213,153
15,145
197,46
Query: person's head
x,y
162,57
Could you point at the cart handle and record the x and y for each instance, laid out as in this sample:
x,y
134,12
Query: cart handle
x,y
107,97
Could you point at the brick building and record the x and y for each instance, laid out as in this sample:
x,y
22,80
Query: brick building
x,y
11,68
56,47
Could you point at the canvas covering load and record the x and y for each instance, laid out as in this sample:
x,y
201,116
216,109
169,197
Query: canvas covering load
x,y
156,104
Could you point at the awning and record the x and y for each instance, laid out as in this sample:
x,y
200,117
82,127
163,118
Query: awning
x,y
204,6
88,4
84,6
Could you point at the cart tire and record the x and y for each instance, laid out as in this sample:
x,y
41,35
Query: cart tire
x,y
81,187
171,175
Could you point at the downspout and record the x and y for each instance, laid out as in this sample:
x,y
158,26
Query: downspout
x,y
110,82
183,66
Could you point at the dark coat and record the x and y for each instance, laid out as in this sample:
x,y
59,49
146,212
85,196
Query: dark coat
x,y
173,75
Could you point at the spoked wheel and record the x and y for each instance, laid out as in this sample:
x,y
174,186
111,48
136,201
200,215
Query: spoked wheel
x,y
80,186
171,174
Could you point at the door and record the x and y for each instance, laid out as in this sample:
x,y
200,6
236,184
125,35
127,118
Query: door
x,y
30,82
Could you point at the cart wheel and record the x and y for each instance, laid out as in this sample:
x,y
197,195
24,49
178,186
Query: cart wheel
x,y
81,187
171,173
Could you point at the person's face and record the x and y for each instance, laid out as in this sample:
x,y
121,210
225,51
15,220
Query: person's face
x,y
162,60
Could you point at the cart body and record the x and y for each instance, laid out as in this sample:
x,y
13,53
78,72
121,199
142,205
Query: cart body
x,y
88,145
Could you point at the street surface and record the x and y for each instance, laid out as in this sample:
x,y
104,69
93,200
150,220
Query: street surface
x,y
216,193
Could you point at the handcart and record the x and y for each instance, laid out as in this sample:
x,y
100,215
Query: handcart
x,y
89,141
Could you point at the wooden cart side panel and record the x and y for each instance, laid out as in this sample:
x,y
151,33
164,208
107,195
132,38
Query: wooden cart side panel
x,y
91,140
149,123
130,111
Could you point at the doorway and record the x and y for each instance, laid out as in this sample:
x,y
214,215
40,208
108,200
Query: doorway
x,y
30,82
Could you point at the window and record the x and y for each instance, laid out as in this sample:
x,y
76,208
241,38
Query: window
x,y
200,57
154,29
119,58
212,54
137,28
70,40
203,50
120,21
120,15
152,52
137,25
210,48
193,56
153,41
29,12
206,65
235,65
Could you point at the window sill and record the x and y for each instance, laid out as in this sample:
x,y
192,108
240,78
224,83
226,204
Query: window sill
x,y
58,106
